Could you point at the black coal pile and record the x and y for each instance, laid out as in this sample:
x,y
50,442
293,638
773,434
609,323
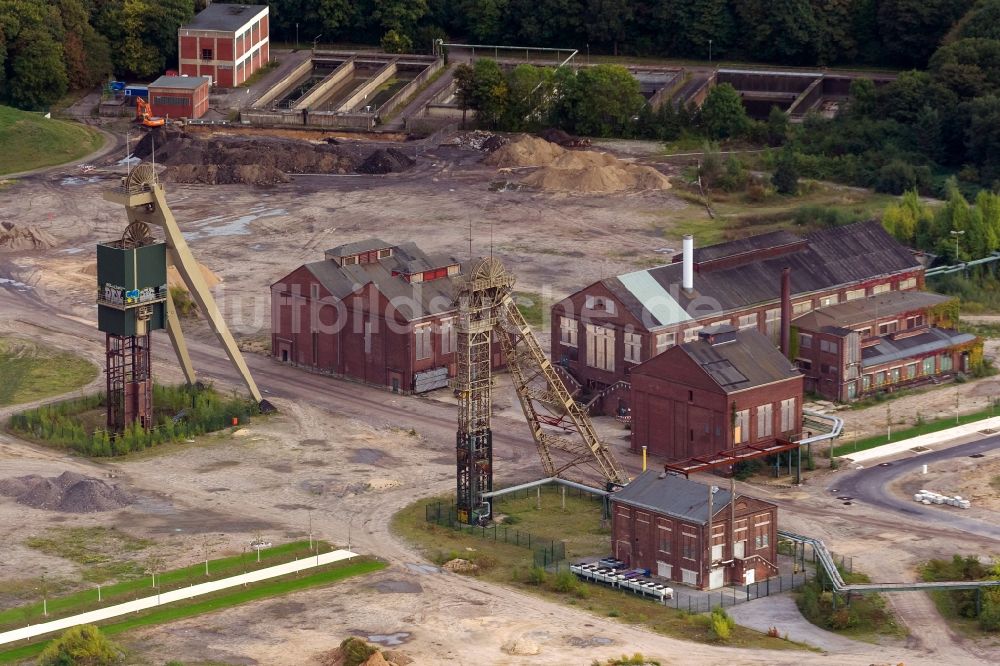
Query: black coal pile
x,y
388,160
69,492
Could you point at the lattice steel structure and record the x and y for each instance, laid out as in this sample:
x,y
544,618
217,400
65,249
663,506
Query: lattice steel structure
x,y
487,309
130,381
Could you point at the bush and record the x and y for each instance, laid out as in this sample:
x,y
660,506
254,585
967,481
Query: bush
x,y
356,651
565,582
896,177
721,624
182,301
786,173
536,576
394,42
84,645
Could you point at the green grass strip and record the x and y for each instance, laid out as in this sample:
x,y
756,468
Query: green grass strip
x,y
226,599
909,433
225,567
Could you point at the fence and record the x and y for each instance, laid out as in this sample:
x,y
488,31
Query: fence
x,y
546,551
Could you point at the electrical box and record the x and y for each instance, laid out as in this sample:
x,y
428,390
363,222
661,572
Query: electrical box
x,y
131,288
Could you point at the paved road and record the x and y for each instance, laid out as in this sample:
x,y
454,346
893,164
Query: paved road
x,y
781,613
870,485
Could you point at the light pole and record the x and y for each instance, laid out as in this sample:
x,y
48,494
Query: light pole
x,y
710,53
296,35
956,235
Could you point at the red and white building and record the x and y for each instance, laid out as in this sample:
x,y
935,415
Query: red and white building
x,y
225,42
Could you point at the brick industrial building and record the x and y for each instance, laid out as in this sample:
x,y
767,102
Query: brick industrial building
x,y
881,343
225,42
371,311
179,96
668,524
602,332
728,389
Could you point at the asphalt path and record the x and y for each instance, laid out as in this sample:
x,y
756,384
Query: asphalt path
x,y
871,486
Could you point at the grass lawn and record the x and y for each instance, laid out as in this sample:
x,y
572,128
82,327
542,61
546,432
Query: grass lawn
x,y
909,433
31,372
579,525
532,306
29,141
221,600
133,581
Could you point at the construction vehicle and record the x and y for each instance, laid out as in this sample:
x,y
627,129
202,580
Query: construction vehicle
x,y
559,425
144,115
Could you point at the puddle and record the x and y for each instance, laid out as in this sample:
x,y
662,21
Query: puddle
x,y
589,641
367,456
388,640
72,181
20,286
210,227
398,587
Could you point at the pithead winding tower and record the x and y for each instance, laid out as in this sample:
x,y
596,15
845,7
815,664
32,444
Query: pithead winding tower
x,y
133,299
486,309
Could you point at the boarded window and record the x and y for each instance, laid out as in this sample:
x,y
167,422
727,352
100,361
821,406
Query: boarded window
x,y
765,421
567,331
633,347
854,294
908,283
741,426
665,341
449,335
422,338
788,420
601,347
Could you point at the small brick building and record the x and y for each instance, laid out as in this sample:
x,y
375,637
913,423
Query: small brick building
x,y
661,522
179,96
225,42
728,389
372,311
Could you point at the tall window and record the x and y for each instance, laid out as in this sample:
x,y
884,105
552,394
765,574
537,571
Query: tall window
x,y
633,347
449,336
567,331
908,283
601,347
665,538
928,365
691,334
881,289
788,415
765,421
748,321
946,364
854,294
805,341
772,321
741,427
665,341
422,337
688,549
802,307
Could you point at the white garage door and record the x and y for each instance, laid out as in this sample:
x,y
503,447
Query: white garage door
x,y
716,578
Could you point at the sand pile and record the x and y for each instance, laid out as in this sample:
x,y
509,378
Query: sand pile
x,y
460,566
584,171
354,650
69,492
24,237
259,160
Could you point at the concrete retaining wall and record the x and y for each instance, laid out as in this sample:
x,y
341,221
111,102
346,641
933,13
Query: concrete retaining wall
x,y
364,121
809,98
281,88
117,610
320,90
927,440
404,93
380,77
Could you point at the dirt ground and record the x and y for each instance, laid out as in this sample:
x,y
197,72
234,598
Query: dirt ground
x,y
346,471
970,478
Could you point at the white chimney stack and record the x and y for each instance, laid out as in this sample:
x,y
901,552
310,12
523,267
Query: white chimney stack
x,y
688,280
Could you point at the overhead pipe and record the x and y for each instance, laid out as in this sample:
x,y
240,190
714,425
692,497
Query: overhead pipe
x,y
687,278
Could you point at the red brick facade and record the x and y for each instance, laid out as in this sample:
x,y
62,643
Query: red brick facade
x,y
228,56
174,97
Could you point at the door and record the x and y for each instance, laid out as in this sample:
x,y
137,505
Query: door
x,y
284,356
750,576
716,578
663,570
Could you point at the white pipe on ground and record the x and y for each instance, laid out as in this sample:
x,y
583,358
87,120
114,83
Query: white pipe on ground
x,y
688,256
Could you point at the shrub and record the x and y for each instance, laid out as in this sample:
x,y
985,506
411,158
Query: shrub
x,y
84,645
772,632
356,651
536,576
786,173
896,177
565,581
182,301
721,624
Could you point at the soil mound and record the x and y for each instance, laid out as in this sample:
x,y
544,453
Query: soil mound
x,y
354,650
460,566
563,138
386,161
525,151
24,237
69,492
261,160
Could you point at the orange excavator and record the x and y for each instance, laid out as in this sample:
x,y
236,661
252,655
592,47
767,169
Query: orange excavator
x,y
145,116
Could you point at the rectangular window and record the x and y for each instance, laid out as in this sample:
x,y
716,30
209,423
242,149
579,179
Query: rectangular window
x,y
314,292
772,322
802,307
691,334
666,537
349,261
449,336
748,321
688,549
600,303
805,341
911,370
368,337
315,348
888,327
383,254
601,347
665,341
567,331
915,321
854,294
788,420
803,364
866,382
422,337
881,289
895,374
908,283
765,421
206,54
880,378
929,367
946,364
741,427
828,346
829,300
865,332
633,348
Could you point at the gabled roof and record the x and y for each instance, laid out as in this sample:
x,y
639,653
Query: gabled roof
x,y
862,310
748,361
219,16
747,272
357,247
898,349
412,300
672,495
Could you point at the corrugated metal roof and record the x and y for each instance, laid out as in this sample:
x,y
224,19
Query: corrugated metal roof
x,y
932,340
179,82
656,300
672,495
357,247
830,258
867,309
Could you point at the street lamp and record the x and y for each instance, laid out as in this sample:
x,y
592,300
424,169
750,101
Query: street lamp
x,y
296,35
710,53
956,235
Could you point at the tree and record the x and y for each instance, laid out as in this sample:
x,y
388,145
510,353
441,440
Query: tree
x,y
399,15
485,90
863,98
982,137
528,89
602,100
37,72
905,219
786,173
608,21
777,127
485,19
782,30
896,177
722,114
465,78
393,42
82,645
911,29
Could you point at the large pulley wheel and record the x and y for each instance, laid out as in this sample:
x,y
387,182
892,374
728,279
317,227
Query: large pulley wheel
x,y
140,176
136,235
